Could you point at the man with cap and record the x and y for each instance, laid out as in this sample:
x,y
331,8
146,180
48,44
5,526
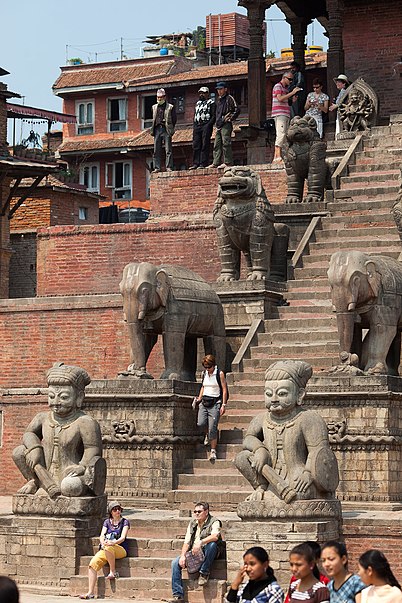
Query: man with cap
x,y
226,112
162,129
61,449
342,83
204,119
281,111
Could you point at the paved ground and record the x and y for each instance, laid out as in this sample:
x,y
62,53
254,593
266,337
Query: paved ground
x,y
30,598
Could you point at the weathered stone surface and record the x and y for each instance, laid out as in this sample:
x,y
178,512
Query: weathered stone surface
x,y
358,109
299,509
286,454
367,294
36,504
304,156
61,450
245,224
180,305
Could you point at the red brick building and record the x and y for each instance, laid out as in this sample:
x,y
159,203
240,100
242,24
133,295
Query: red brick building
x,y
111,147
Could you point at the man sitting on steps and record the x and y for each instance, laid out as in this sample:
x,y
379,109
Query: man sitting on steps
x,y
203,533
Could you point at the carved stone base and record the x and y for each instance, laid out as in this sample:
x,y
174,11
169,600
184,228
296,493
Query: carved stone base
x,y
62,506
44,551
298,510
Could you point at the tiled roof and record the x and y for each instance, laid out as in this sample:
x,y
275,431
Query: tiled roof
x,y
53,181
116,73
183,134
228,71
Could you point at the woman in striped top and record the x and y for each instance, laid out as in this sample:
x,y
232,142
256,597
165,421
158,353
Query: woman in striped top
x,y
307,588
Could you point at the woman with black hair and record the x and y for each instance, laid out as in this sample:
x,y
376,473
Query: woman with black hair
x,y
261,586
375,572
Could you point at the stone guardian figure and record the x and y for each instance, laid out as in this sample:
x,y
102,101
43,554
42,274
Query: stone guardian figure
x,y
61,450
286,453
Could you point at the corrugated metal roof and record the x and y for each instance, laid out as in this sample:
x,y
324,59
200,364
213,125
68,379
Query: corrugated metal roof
x,y
21,111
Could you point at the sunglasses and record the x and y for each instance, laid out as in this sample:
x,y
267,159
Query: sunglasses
x,y
289,78
197,512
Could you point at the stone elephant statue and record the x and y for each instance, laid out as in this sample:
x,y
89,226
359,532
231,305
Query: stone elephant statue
x,y
180,305
367,294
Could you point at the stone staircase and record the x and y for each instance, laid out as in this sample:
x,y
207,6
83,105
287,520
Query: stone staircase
x,y
358,218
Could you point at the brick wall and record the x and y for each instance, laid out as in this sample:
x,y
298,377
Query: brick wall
x,y
23,264
372,39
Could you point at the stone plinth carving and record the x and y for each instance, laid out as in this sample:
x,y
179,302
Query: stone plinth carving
x,y
61,451
359,107
244,223
180,305
286,456
396,211
367,294
304,157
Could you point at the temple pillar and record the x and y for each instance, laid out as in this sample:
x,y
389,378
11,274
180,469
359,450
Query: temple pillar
x,y
298,28
335,53
256,138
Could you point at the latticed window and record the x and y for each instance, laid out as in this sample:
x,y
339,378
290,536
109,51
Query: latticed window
x,y
85,117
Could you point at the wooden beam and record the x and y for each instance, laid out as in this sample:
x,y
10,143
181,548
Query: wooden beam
x,y
24,196
10,195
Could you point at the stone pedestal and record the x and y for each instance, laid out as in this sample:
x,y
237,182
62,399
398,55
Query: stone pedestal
x,y
364,418
149,430
278,531
44,551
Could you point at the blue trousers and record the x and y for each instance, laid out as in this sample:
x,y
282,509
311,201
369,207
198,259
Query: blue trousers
x,y
210,551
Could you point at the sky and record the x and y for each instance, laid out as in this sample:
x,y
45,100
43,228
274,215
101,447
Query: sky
x,y
41,35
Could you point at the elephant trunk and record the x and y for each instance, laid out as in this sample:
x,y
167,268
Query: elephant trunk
x,y
137,344
346,324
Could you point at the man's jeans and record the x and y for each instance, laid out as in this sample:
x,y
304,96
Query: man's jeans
x,y
210,551
161,134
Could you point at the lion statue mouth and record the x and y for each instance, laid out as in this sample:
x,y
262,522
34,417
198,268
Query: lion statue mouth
x,y
237,182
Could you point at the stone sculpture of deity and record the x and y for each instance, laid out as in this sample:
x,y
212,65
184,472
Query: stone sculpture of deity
x,y
286,452
61,450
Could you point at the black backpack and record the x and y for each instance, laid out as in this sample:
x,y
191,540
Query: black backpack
x,y
218,379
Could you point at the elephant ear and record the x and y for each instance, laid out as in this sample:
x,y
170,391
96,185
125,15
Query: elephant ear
x,y
162,286
373,277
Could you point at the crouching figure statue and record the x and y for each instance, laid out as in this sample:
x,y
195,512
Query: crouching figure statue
x,y
61,450
286,452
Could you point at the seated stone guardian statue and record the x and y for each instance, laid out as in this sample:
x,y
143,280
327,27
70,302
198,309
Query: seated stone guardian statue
x,y
61,450
286,449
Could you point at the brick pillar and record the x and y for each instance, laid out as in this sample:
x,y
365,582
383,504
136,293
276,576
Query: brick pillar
x,y
5,247
3,120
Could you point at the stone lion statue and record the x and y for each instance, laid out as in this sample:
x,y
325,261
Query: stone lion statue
x,y
244,222
304,157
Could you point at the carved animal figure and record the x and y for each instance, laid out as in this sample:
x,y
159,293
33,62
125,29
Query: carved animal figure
x,y
304,157
367,294
244,222
180,305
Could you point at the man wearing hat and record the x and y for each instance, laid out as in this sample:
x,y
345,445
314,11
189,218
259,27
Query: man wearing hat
x,y
226,112
204,119
342,84
162,129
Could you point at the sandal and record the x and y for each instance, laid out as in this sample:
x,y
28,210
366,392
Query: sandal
x,y
87,597
112,576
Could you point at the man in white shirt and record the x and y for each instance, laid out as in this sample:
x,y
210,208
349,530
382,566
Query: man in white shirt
x,y
203,532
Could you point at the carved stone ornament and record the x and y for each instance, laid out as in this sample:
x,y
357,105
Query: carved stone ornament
x,y
244,223
286,455
61,451
358,109
62,506
304,155
299,509
396,211
178,304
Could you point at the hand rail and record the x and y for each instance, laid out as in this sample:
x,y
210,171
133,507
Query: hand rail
x,y
255,328
304,241
336,176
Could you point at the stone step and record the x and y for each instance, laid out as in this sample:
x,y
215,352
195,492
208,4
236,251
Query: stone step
x,y
320,256
144,589
306,306
374,166
217,498
301,334
297,349
383,142
292,325
353,225
318,362
222,464
223,480
368,192
312,293
377,156
368,206
384,242
312,272
150,566
363,178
